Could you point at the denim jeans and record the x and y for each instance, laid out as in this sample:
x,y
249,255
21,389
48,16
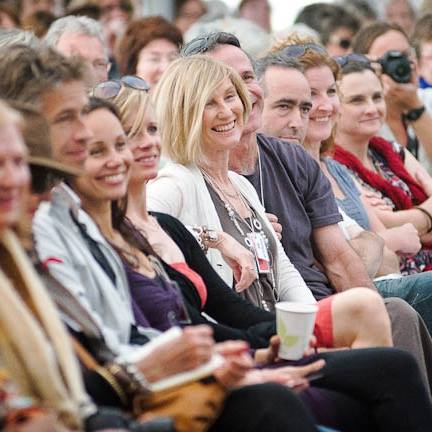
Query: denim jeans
x,y
414,289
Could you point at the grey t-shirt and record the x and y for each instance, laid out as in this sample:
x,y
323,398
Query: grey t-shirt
x,y
298,193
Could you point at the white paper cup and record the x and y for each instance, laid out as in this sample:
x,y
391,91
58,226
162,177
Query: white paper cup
x,y
295,323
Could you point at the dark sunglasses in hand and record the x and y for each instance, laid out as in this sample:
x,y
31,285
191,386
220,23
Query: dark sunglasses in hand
x,y
111,88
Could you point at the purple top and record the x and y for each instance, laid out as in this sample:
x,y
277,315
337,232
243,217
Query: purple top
x,y
156,301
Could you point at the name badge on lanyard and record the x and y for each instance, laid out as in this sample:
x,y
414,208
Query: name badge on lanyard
x,y
257,243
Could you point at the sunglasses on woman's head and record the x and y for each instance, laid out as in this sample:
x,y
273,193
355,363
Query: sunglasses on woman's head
x,y
299,50
111,88
352,58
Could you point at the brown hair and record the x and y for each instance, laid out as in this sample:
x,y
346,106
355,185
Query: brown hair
x,y
366,36
138,34
27,72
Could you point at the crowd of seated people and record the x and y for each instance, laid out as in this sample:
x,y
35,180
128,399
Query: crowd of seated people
x,y
159,198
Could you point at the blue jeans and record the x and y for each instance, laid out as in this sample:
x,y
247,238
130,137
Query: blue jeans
x,y
414,289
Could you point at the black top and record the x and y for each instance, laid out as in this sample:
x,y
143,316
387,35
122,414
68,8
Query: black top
x,y
237,318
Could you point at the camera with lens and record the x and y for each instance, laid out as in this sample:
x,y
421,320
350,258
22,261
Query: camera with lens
x,y
396,65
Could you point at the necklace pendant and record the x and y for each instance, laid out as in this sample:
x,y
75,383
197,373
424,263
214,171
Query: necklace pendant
x,y
257,224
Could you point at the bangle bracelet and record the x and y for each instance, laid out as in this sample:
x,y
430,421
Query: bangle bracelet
x,y
428,215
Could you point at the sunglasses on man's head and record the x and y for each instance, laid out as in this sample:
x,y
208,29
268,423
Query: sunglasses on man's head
x,y
202,44
352,58
301,49
110,89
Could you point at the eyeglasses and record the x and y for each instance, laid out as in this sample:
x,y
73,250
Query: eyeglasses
x,y
203,44
299,50
352,58
111,88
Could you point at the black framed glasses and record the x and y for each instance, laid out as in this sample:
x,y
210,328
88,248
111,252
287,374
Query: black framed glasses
x,y
299,50
111,88
202,44
352,58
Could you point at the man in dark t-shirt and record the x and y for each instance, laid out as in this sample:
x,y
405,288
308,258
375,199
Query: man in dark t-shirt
x,y
291,185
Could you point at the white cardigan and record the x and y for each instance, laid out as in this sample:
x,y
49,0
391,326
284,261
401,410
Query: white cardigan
x,y
181,192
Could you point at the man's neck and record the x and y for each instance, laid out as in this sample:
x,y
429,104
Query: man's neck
x,y
244,157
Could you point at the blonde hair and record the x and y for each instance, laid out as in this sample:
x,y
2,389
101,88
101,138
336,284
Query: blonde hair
x,y
180,98
131,102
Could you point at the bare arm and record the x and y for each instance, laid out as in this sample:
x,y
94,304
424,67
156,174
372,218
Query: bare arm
x,y
400,217
403,239
342,265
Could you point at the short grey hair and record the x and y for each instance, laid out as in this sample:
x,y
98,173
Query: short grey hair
x,y
275,60
75,25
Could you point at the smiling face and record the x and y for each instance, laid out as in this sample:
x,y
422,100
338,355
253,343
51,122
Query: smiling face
x,y
222,119
107,165
287,103
363,109
239,61
146,147
14,175
63,107
325,104
154,59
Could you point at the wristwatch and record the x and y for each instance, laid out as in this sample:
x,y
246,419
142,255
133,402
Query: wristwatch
x,y
414,114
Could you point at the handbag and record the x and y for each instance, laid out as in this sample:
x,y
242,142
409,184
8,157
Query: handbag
x,y
193,406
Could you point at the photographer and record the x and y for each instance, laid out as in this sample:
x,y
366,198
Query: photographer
x,y
408,121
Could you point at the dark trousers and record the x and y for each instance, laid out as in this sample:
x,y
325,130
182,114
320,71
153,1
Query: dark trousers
x,y
264,407
385,381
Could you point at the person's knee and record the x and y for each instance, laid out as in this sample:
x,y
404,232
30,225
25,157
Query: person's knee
x,y
360,302
361,319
